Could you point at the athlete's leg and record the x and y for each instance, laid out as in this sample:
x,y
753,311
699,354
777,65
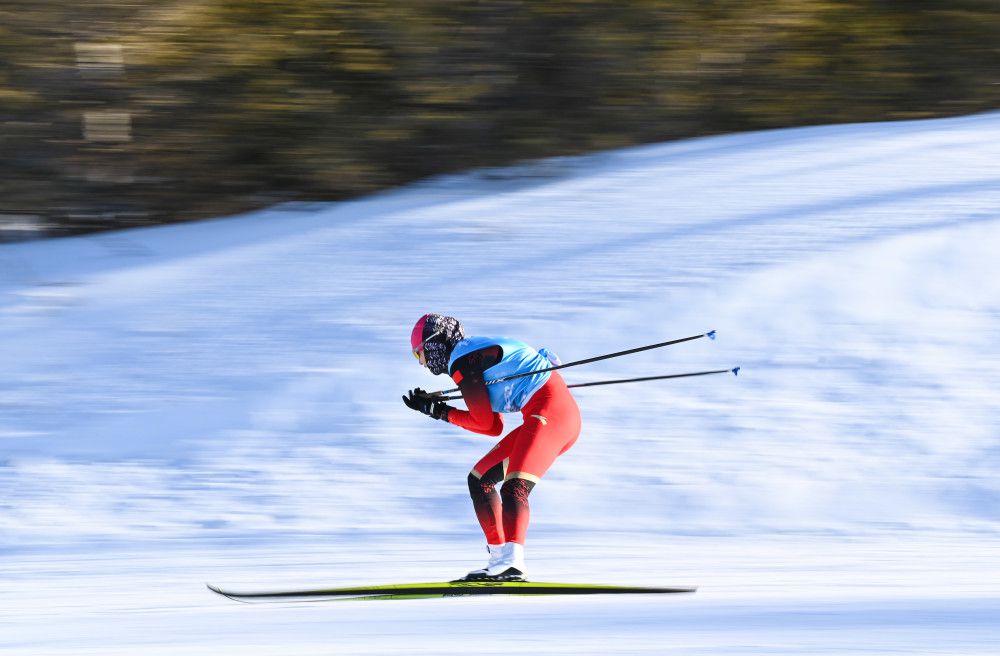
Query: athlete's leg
x,y
538,445
516,513
548,431
486,502
498,455
541,440
483,479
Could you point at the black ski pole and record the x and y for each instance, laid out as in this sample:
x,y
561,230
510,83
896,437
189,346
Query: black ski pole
x,y
735,371
710,334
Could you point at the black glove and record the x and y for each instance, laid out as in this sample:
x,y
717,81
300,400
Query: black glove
x,y
419,400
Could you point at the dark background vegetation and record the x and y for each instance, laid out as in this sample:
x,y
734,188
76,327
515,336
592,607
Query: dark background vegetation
x,y
117,113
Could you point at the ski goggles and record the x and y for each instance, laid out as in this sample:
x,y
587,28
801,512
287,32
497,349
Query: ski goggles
x,y
418,352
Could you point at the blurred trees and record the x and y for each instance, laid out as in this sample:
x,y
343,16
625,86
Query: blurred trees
x,y
123,113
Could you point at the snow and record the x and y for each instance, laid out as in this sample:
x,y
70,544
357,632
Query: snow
x,y
219,401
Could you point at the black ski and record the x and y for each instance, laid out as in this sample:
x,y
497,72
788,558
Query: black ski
x,y
449,589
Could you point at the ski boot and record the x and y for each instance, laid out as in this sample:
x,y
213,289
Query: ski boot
x,y
506,564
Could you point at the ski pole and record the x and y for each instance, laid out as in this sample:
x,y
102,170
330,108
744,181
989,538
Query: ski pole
x,y
710,334
735,371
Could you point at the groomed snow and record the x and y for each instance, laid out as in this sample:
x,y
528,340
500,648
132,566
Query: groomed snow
x,y
219,401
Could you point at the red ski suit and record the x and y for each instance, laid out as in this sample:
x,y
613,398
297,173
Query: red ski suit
x,y
551,425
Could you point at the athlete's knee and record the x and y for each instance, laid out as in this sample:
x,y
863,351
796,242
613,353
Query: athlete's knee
x,y
516,490
478,487
485,484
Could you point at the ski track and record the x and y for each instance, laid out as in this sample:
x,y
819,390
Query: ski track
x,y
218,402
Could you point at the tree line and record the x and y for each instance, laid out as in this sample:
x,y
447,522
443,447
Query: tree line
x,y
120,113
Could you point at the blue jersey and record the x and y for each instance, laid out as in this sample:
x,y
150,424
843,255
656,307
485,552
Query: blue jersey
x,y
517,358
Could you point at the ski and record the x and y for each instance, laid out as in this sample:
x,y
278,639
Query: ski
x,y
443,589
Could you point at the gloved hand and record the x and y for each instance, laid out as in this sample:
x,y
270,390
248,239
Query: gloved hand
x,y
419,400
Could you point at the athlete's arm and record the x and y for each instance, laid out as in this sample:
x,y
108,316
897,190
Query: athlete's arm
x,y
467,371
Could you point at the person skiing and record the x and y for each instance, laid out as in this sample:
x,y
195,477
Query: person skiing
x,y
482,368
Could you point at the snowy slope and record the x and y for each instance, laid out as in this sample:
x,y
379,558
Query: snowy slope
x,y
220,401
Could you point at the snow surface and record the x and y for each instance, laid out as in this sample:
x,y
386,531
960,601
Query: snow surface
x,y
219,402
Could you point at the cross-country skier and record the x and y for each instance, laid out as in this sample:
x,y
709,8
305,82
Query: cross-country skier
x,y
551,426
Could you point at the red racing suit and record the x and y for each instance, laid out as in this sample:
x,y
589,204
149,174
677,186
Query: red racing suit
x,y
551,425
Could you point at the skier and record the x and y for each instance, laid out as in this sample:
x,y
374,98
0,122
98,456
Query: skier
x,y
550,427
